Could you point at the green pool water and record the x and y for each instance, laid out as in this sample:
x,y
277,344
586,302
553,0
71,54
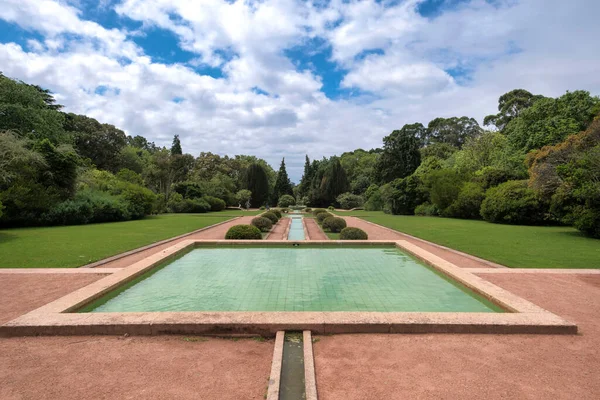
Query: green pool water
x,y
290,278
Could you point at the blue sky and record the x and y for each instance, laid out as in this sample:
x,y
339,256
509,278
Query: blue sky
x,y
279,78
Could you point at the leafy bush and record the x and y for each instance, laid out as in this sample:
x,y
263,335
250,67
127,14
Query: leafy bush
x,y
140,200
468,202
444,187
318,211
353,234
277,213
262,208
308,210
322,216
374,199
243,232
404,195
513,203
177,204
348,200
490,177
331,208
88,207
334,224
285,201
427,210
215,203
264,224
270,215
1,208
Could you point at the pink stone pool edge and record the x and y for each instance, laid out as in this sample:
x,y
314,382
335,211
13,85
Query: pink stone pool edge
x,y
58,317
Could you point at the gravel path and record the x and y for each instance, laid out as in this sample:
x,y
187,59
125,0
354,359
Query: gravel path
x,y
279,230
314,230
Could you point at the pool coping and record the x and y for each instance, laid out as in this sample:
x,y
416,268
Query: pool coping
x,y
58,317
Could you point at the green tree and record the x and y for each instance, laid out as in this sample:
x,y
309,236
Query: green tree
x,y
243,196
454,131
282,184
257,182
510,106
400,156
176,147
333,183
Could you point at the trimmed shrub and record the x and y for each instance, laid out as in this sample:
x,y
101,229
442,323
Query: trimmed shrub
x,y
322,216
427,210
215,203
334,224
331,208
353,234
243,232
318,210
348,201
285,210
308,210
286,200
264,224
88,207
270,215
513,202
262,208
468,202
177,204
277,212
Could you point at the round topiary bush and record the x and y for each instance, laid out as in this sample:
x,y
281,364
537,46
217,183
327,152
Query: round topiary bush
x,y
271,216
243,232
277,212
334,224
264,224
262,208
331,208
322,216
308,209
216,204
353,234
318,210
286,200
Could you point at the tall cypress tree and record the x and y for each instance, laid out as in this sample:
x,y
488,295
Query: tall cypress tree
x,y
334,182
176,147
257,182
282,184
304,185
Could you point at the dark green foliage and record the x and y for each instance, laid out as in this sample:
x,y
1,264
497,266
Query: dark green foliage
x,y
188,189
177,204
318,211
490,177
283,186
453,131
444,187
322,216
400,156
406,194
427,210
271,216
130,176
510,106
243,232
262,223
140,200
334,182
334,224
277,213
468,202
308,209
353,234
61,173
286,200
176,146
514,203
258,183
441,151
215,203
88,207
349,201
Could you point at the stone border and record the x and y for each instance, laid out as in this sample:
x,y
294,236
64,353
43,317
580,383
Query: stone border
x,y
74,271
556,271
152,245
59,318
275,376
306,235
310,382
439,246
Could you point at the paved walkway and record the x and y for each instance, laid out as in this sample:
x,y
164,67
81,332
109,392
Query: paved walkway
x,y
314,230
216,233
440,366
378,232
280,229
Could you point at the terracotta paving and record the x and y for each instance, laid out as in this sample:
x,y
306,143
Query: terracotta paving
x,y
218,232
377,232
314,230
279,231
475,366
21,293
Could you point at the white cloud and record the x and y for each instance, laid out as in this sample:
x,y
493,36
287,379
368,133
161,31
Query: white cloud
x,y
556,43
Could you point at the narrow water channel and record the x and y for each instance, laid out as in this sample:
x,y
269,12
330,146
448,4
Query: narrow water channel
x,y
296,227
292,384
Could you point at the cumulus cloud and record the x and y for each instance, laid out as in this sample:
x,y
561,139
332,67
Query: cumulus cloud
x,y
413,68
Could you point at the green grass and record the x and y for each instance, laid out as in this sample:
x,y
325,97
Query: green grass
x,y
510,245
74,246
332,235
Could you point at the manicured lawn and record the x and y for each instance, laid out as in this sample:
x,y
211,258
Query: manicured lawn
x,y
73,246
510,245
332,236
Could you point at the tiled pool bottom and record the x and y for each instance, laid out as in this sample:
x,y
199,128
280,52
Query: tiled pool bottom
x,y
293,279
